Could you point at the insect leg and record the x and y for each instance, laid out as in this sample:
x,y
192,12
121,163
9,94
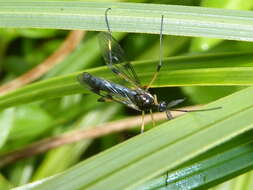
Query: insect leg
x,y
158,68
152,118
166,179
155,99
142,122
169,115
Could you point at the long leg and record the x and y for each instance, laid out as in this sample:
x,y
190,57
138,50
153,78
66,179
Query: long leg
x,y
158,68
155,99
152,118
169,115
166,179
142,122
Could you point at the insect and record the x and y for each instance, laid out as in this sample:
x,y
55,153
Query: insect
x,y
134,95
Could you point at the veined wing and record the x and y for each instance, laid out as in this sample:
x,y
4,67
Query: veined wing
x,y
108,90
118,98
116,60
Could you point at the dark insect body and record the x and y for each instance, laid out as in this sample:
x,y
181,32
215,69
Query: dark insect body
x,y
137,99
134,95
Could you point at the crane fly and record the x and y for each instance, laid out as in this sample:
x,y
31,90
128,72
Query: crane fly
x,y
134,95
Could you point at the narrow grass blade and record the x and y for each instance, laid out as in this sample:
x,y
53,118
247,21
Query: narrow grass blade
x,y
211,69
204,44
208,172
166,147
5,184
129,17
7,118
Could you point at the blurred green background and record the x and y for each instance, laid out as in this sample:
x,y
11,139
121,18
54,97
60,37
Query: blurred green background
x,y
23,49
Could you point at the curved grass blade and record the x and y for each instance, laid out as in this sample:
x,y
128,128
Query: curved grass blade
x,y
204,44
208,172
169,146
210,69
129,17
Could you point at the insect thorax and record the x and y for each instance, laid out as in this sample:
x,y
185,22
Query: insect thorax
x,y
145,101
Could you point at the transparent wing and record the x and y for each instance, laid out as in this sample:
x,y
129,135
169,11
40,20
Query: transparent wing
x,y
116,60
111,94
120,99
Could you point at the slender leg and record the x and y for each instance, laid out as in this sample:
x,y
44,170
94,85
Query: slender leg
x,y
158,68
155,99
169,115
152,118
142,122
166,179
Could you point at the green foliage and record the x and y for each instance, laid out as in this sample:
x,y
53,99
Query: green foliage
x,y
199,150
228,127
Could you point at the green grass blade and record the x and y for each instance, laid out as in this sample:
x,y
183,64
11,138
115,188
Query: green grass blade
x,y
242,182
23,127
156,151
61,158
208,172
129,17
7,118
21,173
221,69
4,183
204,44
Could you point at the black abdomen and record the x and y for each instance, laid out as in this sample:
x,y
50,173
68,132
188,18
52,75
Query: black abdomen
x,y
137,99
97,84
